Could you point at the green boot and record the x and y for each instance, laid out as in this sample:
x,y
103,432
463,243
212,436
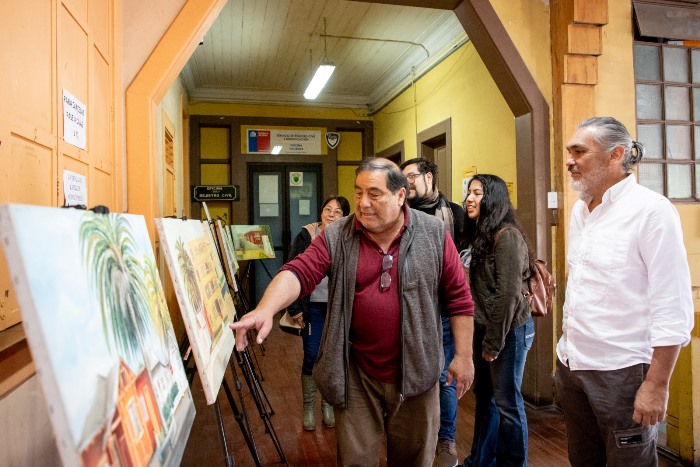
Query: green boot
x,y
328,416
308,386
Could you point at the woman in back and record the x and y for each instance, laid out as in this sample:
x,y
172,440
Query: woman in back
x,y
310,312
503,327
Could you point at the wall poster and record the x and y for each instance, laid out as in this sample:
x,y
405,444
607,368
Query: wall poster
x,y
100,334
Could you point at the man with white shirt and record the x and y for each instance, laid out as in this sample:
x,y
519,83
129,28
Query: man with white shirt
x,y
628,307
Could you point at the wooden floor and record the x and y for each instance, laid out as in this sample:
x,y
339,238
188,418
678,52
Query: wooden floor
x,y
281,369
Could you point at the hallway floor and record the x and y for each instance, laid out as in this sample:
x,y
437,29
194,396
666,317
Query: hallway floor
x,y
281,369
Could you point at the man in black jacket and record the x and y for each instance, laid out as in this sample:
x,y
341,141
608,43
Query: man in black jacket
x,y
424,196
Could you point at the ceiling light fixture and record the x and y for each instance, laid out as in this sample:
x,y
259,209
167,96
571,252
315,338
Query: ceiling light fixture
x,y
323,73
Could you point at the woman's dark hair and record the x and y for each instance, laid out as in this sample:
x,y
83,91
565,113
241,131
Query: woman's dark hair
x,y
495,212
342,201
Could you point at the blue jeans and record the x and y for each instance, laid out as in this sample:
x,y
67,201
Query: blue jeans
x,y
500,424
311,335
448,394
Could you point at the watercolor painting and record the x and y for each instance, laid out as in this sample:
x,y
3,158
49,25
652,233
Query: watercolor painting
x,y
252,242
100,335
203,295
223,239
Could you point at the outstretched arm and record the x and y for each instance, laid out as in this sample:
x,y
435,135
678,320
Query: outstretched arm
x,y
651,400
282,291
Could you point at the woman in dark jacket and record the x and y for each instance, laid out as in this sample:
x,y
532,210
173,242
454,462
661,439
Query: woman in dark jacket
x,y
310,312
503,328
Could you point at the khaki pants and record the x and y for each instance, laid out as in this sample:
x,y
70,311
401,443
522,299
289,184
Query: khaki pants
x,y
374,411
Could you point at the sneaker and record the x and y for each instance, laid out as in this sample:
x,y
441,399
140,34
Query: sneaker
x,y
446,453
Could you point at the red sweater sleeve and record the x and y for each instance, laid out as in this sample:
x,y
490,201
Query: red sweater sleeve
x,y
455,296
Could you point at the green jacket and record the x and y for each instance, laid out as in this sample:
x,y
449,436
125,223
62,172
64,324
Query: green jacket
x,y
496,287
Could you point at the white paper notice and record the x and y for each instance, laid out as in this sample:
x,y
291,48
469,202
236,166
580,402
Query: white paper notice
x,y
269,210
268,186
74,120
304,207
74,188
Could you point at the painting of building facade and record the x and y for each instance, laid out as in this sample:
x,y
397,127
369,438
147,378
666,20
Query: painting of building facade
x,y
252,242
100,334
203,295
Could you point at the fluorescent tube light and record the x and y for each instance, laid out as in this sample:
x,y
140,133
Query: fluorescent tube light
x,y
324,72
277,149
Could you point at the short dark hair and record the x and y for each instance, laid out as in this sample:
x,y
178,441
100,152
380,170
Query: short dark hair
x,y
342,201
424,166
395,179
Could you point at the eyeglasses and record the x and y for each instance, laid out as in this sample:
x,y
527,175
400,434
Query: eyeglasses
x,y
385,279
412,177
335,212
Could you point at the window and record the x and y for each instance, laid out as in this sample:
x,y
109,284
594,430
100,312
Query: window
x,y
667,82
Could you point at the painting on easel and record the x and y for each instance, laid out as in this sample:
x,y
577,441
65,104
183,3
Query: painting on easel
x,y
203,295
100,335
252,242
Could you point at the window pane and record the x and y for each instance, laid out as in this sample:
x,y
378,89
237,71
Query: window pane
x,y
648,102
695,54
696,104
646,63
677,103
678,142
679,181
652,177
651,138
697,144
697,180
675,64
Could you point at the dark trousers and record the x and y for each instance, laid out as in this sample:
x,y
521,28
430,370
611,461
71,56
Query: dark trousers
x,y
448,394
598,408
311,335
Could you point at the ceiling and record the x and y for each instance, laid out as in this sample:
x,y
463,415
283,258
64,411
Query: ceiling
x,y
266,51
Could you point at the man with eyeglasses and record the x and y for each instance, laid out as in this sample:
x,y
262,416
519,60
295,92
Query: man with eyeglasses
x,y
392,271
424,196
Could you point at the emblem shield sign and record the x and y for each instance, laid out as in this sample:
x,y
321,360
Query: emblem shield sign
x,y
332,139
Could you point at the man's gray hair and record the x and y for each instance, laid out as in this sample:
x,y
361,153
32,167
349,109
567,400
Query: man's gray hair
x,y
395,179
611,133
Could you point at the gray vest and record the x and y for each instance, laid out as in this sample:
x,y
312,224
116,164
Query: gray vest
x,y
420,269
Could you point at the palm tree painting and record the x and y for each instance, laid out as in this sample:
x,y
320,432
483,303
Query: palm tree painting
x,y
207,307
94,311
110,255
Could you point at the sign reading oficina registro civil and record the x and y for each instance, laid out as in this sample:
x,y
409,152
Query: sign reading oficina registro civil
x,y
215,193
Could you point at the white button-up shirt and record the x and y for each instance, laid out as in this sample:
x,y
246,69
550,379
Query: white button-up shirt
x,y
629,285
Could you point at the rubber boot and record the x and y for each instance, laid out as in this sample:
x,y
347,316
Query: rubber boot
x,y
328,416
308,386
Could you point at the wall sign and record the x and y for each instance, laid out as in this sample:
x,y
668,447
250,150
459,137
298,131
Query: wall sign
x,y
283,141
215,193
74,120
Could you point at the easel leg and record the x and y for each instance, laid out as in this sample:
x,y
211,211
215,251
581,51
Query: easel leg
x,y
241,416
228,458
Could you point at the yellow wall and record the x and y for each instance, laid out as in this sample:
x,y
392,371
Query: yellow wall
x,y
615,89
174,104
527,25
460,88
